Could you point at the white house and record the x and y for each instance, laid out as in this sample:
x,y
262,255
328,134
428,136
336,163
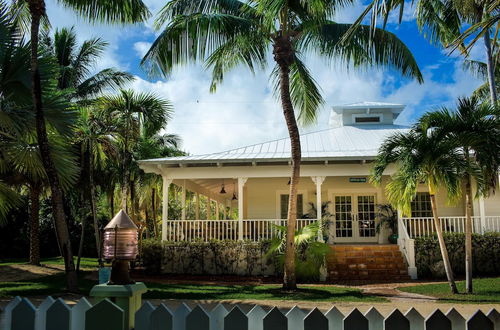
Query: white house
x,y
336,164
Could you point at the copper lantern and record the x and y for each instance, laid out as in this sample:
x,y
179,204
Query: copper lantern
x,y
120,247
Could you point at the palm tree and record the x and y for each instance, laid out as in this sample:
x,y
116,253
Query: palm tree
x,y
20,160
475,128
76,62
480,70
226,33
110,11
421,156
132,114
96,145
450,23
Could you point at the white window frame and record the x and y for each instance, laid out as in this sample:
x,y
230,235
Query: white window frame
x,y
380,117
305,200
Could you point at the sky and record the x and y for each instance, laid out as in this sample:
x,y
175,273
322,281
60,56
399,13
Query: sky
x,y
244,110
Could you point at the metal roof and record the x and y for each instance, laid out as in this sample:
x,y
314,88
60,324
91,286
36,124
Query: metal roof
x,y
368,104
340,143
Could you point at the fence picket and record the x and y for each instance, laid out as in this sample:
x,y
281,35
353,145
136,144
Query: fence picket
x,y
397,321
335,319
494,316
23,316
315,320
58,316
417,321
197,319
236,320
275,320
356,320
162,318
457,320
217,316
6,319
437,321
104,315
375,319
78,314
143,316
255,318
41,313
295,317
180,315
479,321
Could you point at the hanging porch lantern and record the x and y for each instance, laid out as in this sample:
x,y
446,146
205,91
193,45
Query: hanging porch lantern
x,y
120,247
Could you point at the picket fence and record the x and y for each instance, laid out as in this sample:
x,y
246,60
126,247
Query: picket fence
x,y
21,314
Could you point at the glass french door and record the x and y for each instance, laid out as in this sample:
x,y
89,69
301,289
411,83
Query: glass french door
x,y
354,218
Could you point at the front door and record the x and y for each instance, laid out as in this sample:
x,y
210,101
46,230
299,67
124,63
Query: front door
x,y
354,218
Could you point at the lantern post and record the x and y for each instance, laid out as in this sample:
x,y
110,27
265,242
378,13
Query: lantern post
x,y
120,248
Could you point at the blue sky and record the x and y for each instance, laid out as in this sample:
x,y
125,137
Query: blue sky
x,y
244,111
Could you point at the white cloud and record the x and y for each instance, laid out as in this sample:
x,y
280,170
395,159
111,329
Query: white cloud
x,y
141,48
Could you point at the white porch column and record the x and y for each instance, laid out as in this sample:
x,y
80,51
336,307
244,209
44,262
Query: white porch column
x,y
482,213
318,180
241,184
197,207
209,207
164,211
183,200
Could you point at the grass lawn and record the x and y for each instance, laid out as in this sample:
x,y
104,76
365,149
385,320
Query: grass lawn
x,y
255,292
54,285
84,262
486,290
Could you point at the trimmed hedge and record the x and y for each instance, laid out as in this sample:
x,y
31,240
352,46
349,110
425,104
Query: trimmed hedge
x,y
485,254
214,258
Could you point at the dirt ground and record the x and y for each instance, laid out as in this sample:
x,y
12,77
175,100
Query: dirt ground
x,y
24,272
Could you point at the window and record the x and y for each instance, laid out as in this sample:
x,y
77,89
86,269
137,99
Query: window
x,y
284,206
367,118
421,205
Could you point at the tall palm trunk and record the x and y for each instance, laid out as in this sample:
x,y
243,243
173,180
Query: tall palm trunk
x,y
35,224
83,220
468,234
284,57
442,245
37,10
490,67
94,207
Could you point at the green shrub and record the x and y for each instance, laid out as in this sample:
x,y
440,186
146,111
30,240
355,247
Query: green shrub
x,y
485,254
214,258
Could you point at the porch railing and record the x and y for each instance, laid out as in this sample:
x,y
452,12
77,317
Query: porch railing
x,y
206,230
417,227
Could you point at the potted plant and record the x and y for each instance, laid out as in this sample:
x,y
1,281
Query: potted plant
x,y
387,217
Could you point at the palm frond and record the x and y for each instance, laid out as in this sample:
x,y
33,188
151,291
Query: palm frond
x,y
110,11
101,81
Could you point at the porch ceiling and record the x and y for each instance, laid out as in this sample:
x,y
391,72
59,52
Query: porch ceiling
x,y
211,187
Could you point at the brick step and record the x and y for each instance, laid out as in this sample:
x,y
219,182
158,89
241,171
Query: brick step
x,y
366,262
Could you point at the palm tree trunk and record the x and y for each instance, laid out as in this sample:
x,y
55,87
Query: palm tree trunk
x,y
83,220
468,234
111,201
284,56
94,208
35,225
490,68
37,9
442,245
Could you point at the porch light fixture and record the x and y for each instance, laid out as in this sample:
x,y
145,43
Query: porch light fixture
x,y
289,181
234,193
222,190
120,247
